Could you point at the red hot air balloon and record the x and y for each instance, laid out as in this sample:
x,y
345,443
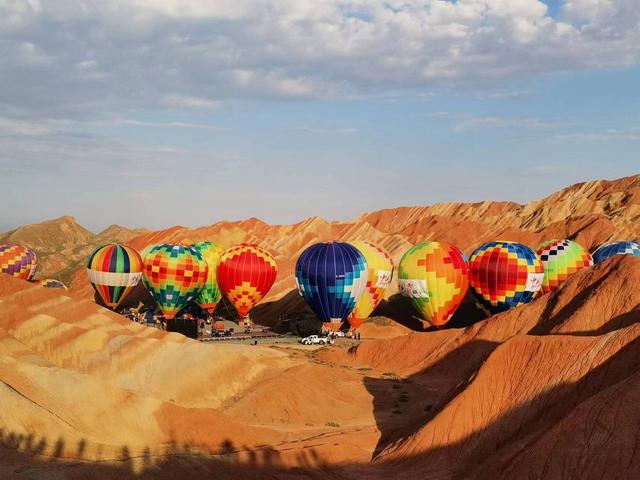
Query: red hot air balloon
x,y
245,275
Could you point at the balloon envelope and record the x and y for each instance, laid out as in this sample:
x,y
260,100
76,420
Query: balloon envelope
x,y
174,275
380,268
504,275
18,261
560,259
611,249
245,274
114,270
210,295
434,276
331,277
51,283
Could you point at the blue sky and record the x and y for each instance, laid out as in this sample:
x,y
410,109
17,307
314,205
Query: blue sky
x,y
155,113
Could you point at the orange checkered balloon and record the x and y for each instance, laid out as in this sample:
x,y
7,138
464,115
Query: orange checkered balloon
x,y
245,274
174,275
434,276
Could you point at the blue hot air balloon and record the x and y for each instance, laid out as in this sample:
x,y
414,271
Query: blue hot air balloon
x,y
331,277
611,249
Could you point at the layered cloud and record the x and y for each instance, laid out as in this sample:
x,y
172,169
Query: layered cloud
x,y
69,58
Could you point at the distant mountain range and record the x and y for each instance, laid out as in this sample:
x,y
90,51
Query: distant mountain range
x,y
590,213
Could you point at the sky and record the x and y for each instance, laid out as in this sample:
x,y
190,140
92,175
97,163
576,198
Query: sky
x,y
174,112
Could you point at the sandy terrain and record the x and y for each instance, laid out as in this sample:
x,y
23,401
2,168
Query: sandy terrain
x,y
548,390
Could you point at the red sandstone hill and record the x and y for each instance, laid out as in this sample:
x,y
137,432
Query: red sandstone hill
x,y
63,246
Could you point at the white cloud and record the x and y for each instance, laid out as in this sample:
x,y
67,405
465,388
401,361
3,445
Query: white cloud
x,y
328,131
14,126
611,135
512,95
480,123
190,102
68,59
139,123
444,114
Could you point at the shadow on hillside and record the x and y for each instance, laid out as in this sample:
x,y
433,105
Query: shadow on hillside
x,y
30,454
400,310
440,383
474,455
529,419
396,308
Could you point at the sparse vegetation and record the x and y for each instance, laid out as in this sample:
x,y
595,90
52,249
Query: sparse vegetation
x,y
332,424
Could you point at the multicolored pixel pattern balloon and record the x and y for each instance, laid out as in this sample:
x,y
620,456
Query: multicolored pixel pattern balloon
x,y
611,249
114,271
18,261
434,276
174,275
245,274
51,283
380,267
210,295
561,258
504,275
332,277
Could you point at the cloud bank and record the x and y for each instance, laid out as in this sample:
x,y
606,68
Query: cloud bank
x,y
65,58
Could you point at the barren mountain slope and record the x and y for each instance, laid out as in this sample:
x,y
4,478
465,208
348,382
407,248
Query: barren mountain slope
x,y
590,213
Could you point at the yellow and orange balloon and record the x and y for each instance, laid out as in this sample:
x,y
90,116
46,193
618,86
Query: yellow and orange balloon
x,y
380,273
435,277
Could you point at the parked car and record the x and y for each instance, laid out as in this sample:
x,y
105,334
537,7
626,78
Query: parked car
x,y
316,340
338,334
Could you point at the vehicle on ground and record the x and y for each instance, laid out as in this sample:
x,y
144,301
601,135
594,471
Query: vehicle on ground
x,y
338,334
316,340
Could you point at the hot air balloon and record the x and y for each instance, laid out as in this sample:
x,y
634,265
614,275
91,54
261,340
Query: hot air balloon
x,y
561,258
504,275
245,274
611,249
210,295
51,283
18,261
114,271
434,275
331,277
380,267
174,275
